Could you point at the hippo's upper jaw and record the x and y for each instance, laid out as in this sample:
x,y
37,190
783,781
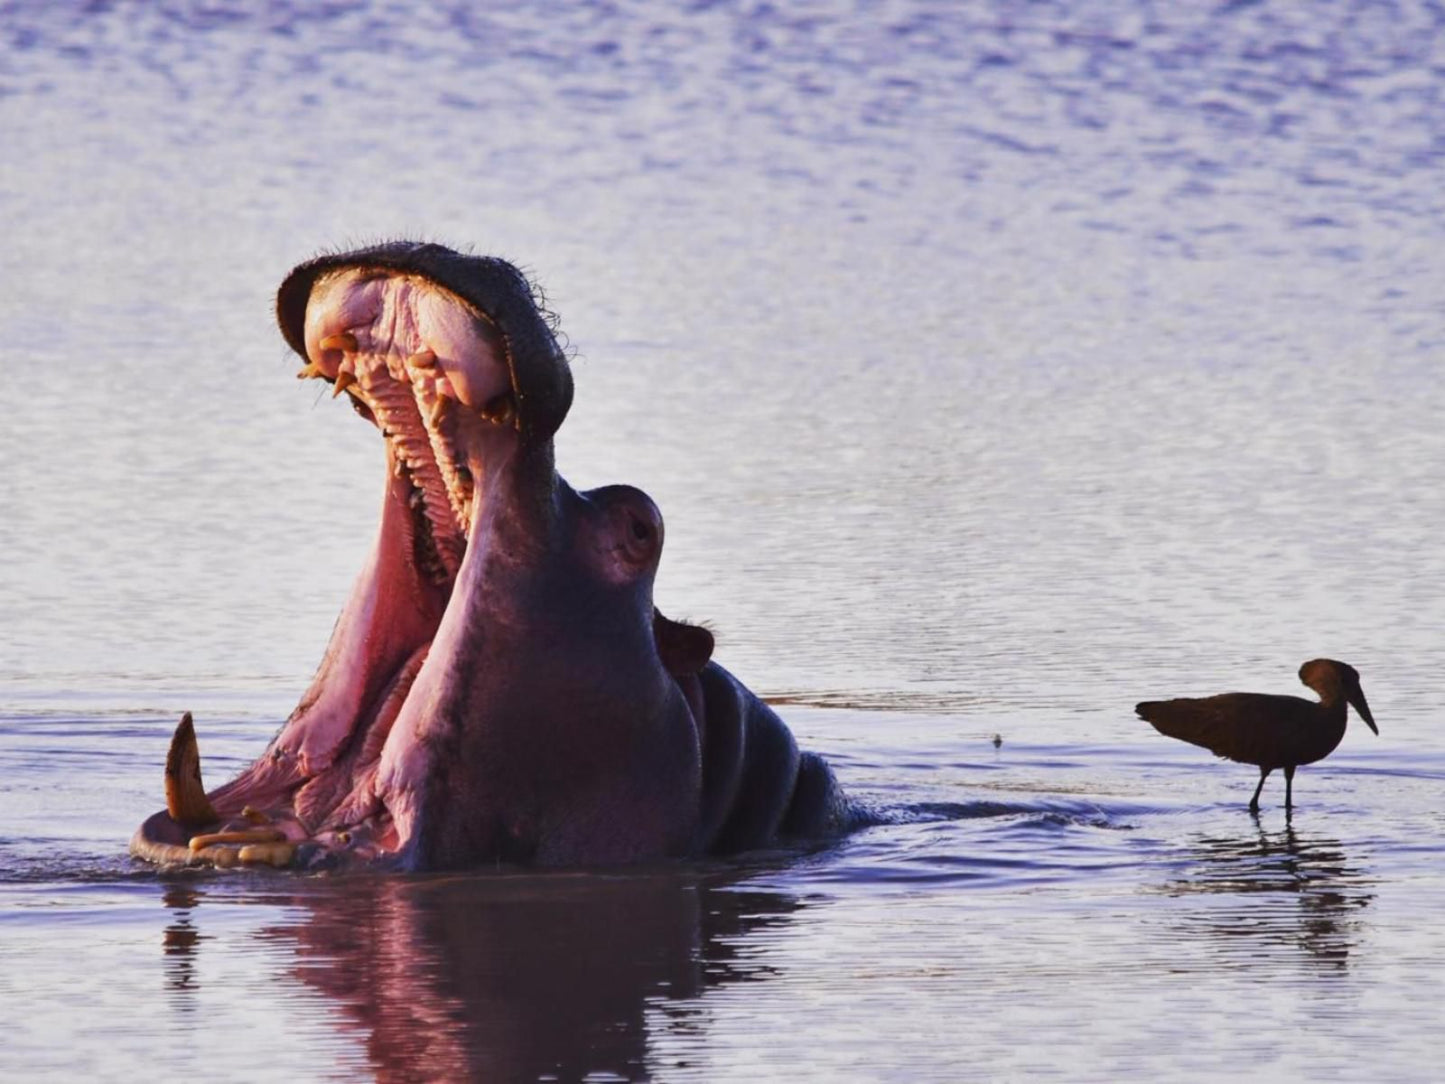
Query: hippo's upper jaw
x,y
499,686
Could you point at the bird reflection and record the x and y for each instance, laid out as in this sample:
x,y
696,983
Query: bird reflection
x,y
1276,890
516,977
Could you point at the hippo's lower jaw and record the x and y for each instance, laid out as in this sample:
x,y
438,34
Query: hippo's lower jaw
x,y
499,686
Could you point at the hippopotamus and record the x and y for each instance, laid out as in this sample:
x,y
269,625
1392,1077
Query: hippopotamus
x,y
500,687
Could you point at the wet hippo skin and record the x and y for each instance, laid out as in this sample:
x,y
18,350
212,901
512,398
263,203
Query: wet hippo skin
x,y
499,686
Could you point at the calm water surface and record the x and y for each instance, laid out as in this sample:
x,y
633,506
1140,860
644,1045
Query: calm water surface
x,y
996,366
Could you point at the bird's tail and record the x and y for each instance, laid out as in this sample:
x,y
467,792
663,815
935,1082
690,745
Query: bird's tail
x,y
1187,720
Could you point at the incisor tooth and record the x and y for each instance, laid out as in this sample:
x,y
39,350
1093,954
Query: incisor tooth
x,y
344,380
344,341
439,410
422,359
219,856
271,854
240,835
308,372
186,799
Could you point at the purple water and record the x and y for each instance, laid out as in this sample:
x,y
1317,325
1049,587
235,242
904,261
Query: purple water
x,y
993,370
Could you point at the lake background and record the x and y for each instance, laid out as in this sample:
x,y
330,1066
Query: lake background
x,y
995,366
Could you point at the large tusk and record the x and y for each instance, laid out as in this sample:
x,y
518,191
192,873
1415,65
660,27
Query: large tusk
x,y
186,799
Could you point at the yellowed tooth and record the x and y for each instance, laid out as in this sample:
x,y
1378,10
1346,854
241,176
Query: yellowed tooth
x,y
439,410
344,380
220,857
344,341
271,854
256,816
240,835
422,359
186,799
308,372
500,409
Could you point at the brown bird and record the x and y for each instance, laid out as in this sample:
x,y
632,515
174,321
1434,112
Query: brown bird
x,y
1268,731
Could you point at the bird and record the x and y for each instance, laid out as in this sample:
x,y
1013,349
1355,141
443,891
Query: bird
x,y
1265,730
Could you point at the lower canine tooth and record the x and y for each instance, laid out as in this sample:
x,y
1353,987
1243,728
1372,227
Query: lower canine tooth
x,y
186,799
344,380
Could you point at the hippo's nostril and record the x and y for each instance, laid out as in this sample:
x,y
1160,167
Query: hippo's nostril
x,y
641,531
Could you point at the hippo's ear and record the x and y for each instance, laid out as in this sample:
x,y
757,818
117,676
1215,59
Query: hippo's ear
x,y
684,649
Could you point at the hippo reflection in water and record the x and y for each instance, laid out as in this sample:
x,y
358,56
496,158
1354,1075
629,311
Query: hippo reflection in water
x,y
499,687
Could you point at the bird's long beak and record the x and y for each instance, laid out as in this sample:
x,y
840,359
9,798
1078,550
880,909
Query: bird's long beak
x,y
1356,697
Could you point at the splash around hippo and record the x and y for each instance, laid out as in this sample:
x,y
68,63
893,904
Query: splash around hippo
x,y
499,686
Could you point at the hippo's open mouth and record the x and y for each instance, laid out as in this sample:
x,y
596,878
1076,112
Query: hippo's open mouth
x,y
410,354
499,686
438,375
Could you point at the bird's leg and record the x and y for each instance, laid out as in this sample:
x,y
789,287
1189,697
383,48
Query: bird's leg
x,y
1288,787
1254,802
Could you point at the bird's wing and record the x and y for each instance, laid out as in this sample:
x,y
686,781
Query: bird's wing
x,y
1253,728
